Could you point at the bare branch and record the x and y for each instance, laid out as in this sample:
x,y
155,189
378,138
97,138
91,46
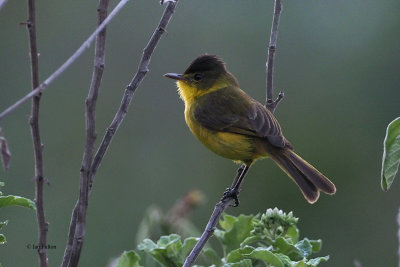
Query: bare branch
x,y
40,88
78,219
133,85
270,103
35,130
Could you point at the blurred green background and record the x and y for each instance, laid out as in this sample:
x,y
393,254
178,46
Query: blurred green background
x,y
338,63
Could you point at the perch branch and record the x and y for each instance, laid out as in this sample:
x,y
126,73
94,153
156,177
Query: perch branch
x,y
79,225
270,103
41,87
77,230
35,131
221,206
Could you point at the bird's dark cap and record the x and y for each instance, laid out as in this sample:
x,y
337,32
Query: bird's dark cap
x,y
206,63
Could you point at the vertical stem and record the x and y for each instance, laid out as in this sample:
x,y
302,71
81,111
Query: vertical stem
x,y
78,221
270,103
35,130
78,218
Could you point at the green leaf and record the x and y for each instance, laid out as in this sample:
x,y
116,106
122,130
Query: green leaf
x,y
391,154
242,263
316,245
169,250
16,201
253,239
287,262
211,256
300,264
239,254
167,240
310,263
236,231
147,245
227,221
151,248
298,251
266,256
2,239
3,223
129,259
293,234
173,246
304,247
285,247
314,262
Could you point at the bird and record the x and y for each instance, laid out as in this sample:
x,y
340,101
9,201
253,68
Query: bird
x,y
235,126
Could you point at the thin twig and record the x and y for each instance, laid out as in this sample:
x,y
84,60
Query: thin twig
x,y
74,245
208,231
221,206
77,226
270,103
2,3
131,88
35,130
41,87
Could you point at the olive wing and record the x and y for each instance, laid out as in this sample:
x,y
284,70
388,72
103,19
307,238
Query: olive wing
x,y
231,110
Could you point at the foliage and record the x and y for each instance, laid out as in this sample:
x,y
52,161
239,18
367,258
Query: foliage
x,y
270,239
391,154
128,258
11,200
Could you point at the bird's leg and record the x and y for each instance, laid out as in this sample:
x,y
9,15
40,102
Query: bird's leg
x,y
238,173
234,190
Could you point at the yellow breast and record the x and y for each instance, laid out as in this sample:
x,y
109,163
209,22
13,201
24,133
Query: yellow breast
x,y
234,146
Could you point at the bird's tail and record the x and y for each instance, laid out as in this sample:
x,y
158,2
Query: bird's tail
x,y
308,178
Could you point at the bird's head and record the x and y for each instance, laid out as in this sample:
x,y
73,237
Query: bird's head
x,y
205,74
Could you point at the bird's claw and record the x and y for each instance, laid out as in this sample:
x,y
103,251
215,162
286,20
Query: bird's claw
x,y
232,194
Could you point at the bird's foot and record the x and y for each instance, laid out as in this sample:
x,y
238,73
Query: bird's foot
x,y
231,193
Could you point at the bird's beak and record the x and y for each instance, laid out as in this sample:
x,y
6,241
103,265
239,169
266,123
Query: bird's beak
x,y
175,76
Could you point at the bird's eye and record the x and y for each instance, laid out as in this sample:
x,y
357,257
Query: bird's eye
x,y
198,77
